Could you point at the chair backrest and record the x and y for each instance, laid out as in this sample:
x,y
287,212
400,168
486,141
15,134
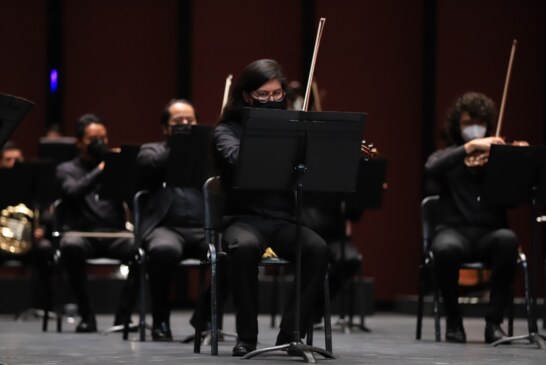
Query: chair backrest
x,y
430,210
213,196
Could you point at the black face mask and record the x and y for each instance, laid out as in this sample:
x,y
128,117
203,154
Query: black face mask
x,y
97,149
269,104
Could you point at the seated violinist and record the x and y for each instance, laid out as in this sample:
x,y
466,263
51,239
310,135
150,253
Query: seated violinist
x,y
468,229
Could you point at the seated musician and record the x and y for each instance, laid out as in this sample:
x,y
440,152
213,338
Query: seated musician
x,y
172,222
40,252
82,211
262,219
468,229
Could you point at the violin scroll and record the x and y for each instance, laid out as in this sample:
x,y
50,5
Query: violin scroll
x,y
368,149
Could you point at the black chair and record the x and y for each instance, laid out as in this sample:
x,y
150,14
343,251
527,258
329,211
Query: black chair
x,y
202,265
58,232
427,278
214,213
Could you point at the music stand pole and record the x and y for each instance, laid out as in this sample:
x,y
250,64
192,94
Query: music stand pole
x,y
511,164
297,348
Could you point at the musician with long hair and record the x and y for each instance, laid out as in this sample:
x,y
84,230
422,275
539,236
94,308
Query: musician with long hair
x,y
261,219
468,228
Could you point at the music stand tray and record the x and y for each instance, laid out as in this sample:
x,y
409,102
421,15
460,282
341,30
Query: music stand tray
x,y
512,176
299,151
189,164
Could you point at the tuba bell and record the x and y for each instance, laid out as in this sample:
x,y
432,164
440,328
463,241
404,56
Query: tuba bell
x,y
16,229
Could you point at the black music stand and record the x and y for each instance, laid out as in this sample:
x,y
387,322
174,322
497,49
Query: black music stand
x,y
12,110
297,151
190,146
512,177
57,150
119,177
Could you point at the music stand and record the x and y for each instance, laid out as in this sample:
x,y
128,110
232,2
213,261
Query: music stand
x,y
12,110
296,151
57,150
119,177
512,177
190,146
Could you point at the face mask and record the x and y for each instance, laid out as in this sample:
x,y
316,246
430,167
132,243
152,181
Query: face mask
x,y
472,132
269,104
97,149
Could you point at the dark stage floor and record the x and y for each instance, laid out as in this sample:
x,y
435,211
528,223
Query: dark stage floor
x,y
390,342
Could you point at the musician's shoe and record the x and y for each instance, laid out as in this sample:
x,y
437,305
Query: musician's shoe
x,y
242,348
161,332
88,324
493,332
455,331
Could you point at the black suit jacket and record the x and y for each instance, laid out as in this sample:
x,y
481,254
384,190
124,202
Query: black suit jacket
x,y
152,164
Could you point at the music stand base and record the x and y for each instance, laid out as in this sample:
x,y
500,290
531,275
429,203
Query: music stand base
x,y
294,349
533,338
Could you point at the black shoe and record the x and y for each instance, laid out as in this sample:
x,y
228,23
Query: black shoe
x,y
455,331
162,332
284,338
88,324
242,348
493,332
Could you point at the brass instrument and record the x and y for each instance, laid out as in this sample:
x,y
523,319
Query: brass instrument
x,y
16,229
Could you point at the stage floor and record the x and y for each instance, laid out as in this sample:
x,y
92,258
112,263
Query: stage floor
x,y
391,341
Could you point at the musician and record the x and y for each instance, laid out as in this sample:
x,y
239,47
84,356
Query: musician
x,y
172,225
82,211
10,154
470,230
261,219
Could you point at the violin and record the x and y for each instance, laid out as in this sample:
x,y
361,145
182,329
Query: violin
x,y
478,159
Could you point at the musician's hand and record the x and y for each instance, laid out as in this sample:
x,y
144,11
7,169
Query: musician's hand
x,y
482,144
520,143
101,165
115,149
39,233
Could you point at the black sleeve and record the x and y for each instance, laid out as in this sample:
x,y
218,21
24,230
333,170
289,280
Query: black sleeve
x,y
152,161
441,161
227,145
73,185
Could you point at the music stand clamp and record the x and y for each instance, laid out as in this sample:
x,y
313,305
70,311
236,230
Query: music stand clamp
x,y
315,151
516,175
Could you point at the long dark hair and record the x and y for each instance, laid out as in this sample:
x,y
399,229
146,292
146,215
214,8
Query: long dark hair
x,y
479,107
254,75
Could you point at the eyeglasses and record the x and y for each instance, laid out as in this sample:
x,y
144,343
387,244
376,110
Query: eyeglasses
x,y
263,96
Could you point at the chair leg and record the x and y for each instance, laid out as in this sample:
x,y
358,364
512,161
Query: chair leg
x,y
214,307
142,298
436,311
511,314
327,315
420,297
274,298
199,311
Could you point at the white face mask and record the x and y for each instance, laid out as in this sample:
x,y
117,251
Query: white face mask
x,y
472,132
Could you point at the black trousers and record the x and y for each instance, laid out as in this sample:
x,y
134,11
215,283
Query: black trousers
x,y
74,252
245,240
165,247
499,248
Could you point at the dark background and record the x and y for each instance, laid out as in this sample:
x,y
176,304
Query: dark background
x,y
403,62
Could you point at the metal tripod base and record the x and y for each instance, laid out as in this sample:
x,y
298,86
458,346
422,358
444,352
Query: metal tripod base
x,y
533,338
294,349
